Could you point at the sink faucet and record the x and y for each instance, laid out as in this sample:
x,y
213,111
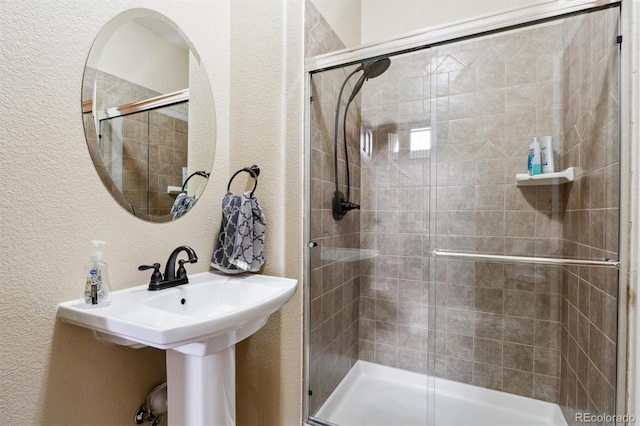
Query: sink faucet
x,y
170,269
172,278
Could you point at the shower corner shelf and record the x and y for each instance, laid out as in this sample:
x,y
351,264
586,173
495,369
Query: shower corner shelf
x,y
557,178
174,190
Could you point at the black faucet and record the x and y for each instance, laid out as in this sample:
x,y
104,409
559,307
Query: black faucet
x,y
172,278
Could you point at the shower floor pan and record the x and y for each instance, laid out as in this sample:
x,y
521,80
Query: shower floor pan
x,y
376,395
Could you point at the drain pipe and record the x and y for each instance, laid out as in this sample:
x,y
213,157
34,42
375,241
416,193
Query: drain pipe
x,y
154,408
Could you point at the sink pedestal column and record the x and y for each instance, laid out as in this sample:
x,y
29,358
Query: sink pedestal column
x,y
201,390
201,379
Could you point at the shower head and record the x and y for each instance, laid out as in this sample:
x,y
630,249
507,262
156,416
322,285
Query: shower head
x,y
371,69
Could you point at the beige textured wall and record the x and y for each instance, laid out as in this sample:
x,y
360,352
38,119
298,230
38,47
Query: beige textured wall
x,y
266,129
53,203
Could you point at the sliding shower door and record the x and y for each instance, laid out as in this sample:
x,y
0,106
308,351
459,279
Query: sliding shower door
x,y
334,262
459,274
369,269
525,296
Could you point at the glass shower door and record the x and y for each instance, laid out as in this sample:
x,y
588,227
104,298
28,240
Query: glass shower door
x,y
334,259
368,322
525,296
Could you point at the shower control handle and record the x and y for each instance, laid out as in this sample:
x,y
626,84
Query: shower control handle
x,y
340,206
347,206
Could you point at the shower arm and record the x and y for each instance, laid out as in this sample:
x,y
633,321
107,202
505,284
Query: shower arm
x,y
335,130
370,69
346,149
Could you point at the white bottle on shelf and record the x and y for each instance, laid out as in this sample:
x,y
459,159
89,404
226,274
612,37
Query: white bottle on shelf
x,y
546,154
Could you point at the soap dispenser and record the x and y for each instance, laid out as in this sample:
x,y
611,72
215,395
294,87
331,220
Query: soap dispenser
x,y
97,292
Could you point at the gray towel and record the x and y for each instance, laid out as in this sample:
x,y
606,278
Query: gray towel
x,y
182,204
240,245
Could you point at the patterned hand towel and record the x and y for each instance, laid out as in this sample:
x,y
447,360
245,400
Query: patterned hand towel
x,y
240,244
182,204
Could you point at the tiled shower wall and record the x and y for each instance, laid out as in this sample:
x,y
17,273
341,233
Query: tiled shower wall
x,y
590,64
168,154
395,218
334,281
496,325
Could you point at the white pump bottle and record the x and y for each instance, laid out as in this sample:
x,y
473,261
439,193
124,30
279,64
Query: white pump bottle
x,y
97,292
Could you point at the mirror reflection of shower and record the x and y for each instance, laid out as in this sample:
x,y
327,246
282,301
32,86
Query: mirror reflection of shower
x,y
144,146
370,69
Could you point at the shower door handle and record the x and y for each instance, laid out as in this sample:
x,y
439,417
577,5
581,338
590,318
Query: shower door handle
x,y
606,263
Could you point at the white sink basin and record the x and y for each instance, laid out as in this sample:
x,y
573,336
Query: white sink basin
x,y
198,324
209,306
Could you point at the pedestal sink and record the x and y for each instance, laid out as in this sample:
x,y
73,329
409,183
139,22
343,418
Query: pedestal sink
x,y
198,324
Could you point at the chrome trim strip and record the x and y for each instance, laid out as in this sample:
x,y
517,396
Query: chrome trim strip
x,y
448,32
527,259
628,202
146,105
307,252
313,421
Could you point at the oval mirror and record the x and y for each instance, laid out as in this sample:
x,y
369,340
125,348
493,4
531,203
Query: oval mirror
x,y
149,115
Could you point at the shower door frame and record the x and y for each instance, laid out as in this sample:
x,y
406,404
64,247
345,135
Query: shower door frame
x,y
423,39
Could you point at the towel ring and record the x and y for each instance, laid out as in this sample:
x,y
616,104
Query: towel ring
x,y
198,173
254,171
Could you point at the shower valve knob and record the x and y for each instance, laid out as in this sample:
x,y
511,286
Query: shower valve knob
x,y
340,207
347,206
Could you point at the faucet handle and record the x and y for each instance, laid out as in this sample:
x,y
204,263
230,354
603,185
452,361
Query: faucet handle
x,y
182,272
156,277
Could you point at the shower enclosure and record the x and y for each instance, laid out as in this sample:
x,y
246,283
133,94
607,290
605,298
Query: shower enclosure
x,y
457,289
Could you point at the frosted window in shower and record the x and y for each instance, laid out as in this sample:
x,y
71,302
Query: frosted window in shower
x,y
420,142
366,146
394,146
